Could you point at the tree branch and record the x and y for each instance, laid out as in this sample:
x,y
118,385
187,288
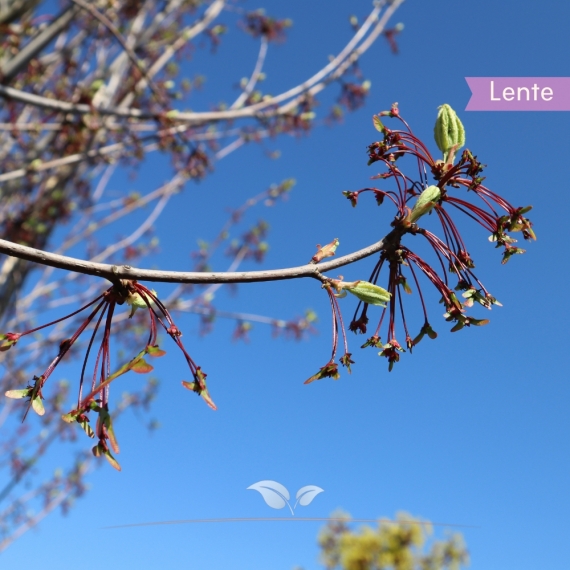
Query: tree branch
x,y
258,110
130,53
22,58
114,272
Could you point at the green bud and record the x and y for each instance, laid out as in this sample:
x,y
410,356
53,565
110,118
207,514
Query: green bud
x,y
18,394
136,301
425,202
367,292
38,406
448,131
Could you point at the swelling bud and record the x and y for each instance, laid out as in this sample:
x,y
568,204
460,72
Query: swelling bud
x,y
426,201
365,291
448,132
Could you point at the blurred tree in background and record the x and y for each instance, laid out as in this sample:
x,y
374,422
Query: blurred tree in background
x,y
394,545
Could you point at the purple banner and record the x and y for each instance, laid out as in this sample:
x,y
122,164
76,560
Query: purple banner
x,y
519,94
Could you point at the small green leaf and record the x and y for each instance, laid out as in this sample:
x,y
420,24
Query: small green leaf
x,y
99,450
69,418
203,392
154,351
425,203
112,437
38,406
17,394
87,428
141,366
378,124
367,292
374,341
431,333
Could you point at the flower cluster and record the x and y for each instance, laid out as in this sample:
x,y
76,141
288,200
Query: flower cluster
x,y
413,198
100,319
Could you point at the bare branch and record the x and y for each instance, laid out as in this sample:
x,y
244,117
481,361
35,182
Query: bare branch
x,y
114,272
17,63
259,110
130,53
254,76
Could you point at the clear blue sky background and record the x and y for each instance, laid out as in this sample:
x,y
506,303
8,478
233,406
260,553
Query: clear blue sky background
x,y
470,430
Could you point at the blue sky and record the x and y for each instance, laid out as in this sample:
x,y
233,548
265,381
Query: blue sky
x,y
470,430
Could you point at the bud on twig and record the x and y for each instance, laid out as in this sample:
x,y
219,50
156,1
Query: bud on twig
x,y
425,203
365,291
325,251
448,132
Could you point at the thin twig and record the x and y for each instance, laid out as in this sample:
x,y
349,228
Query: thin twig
x,y
130,53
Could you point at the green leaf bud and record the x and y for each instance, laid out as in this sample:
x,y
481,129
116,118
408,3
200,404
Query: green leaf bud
x,y
425,202
136,301
449,131
367,292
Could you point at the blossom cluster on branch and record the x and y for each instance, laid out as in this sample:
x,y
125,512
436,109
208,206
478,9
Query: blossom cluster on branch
x,y
451,176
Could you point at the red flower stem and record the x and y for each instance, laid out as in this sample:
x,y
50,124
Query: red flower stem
x,y
158,303
435,248
488,222
410,137
360,303
384,310
478,282
173,336
153,333
392,303
334,323
483,197
88,351
377,268
452,227
450,255
419,291
446,230
63,351
431,275
401,198
100,351
491,227
66,317
441,247
402,150
416,186
106,362
191,363
387,193
339,313
399,295
449,175
499,200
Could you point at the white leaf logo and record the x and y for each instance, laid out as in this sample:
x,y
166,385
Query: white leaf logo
x,y
277,496
273,493
305,495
